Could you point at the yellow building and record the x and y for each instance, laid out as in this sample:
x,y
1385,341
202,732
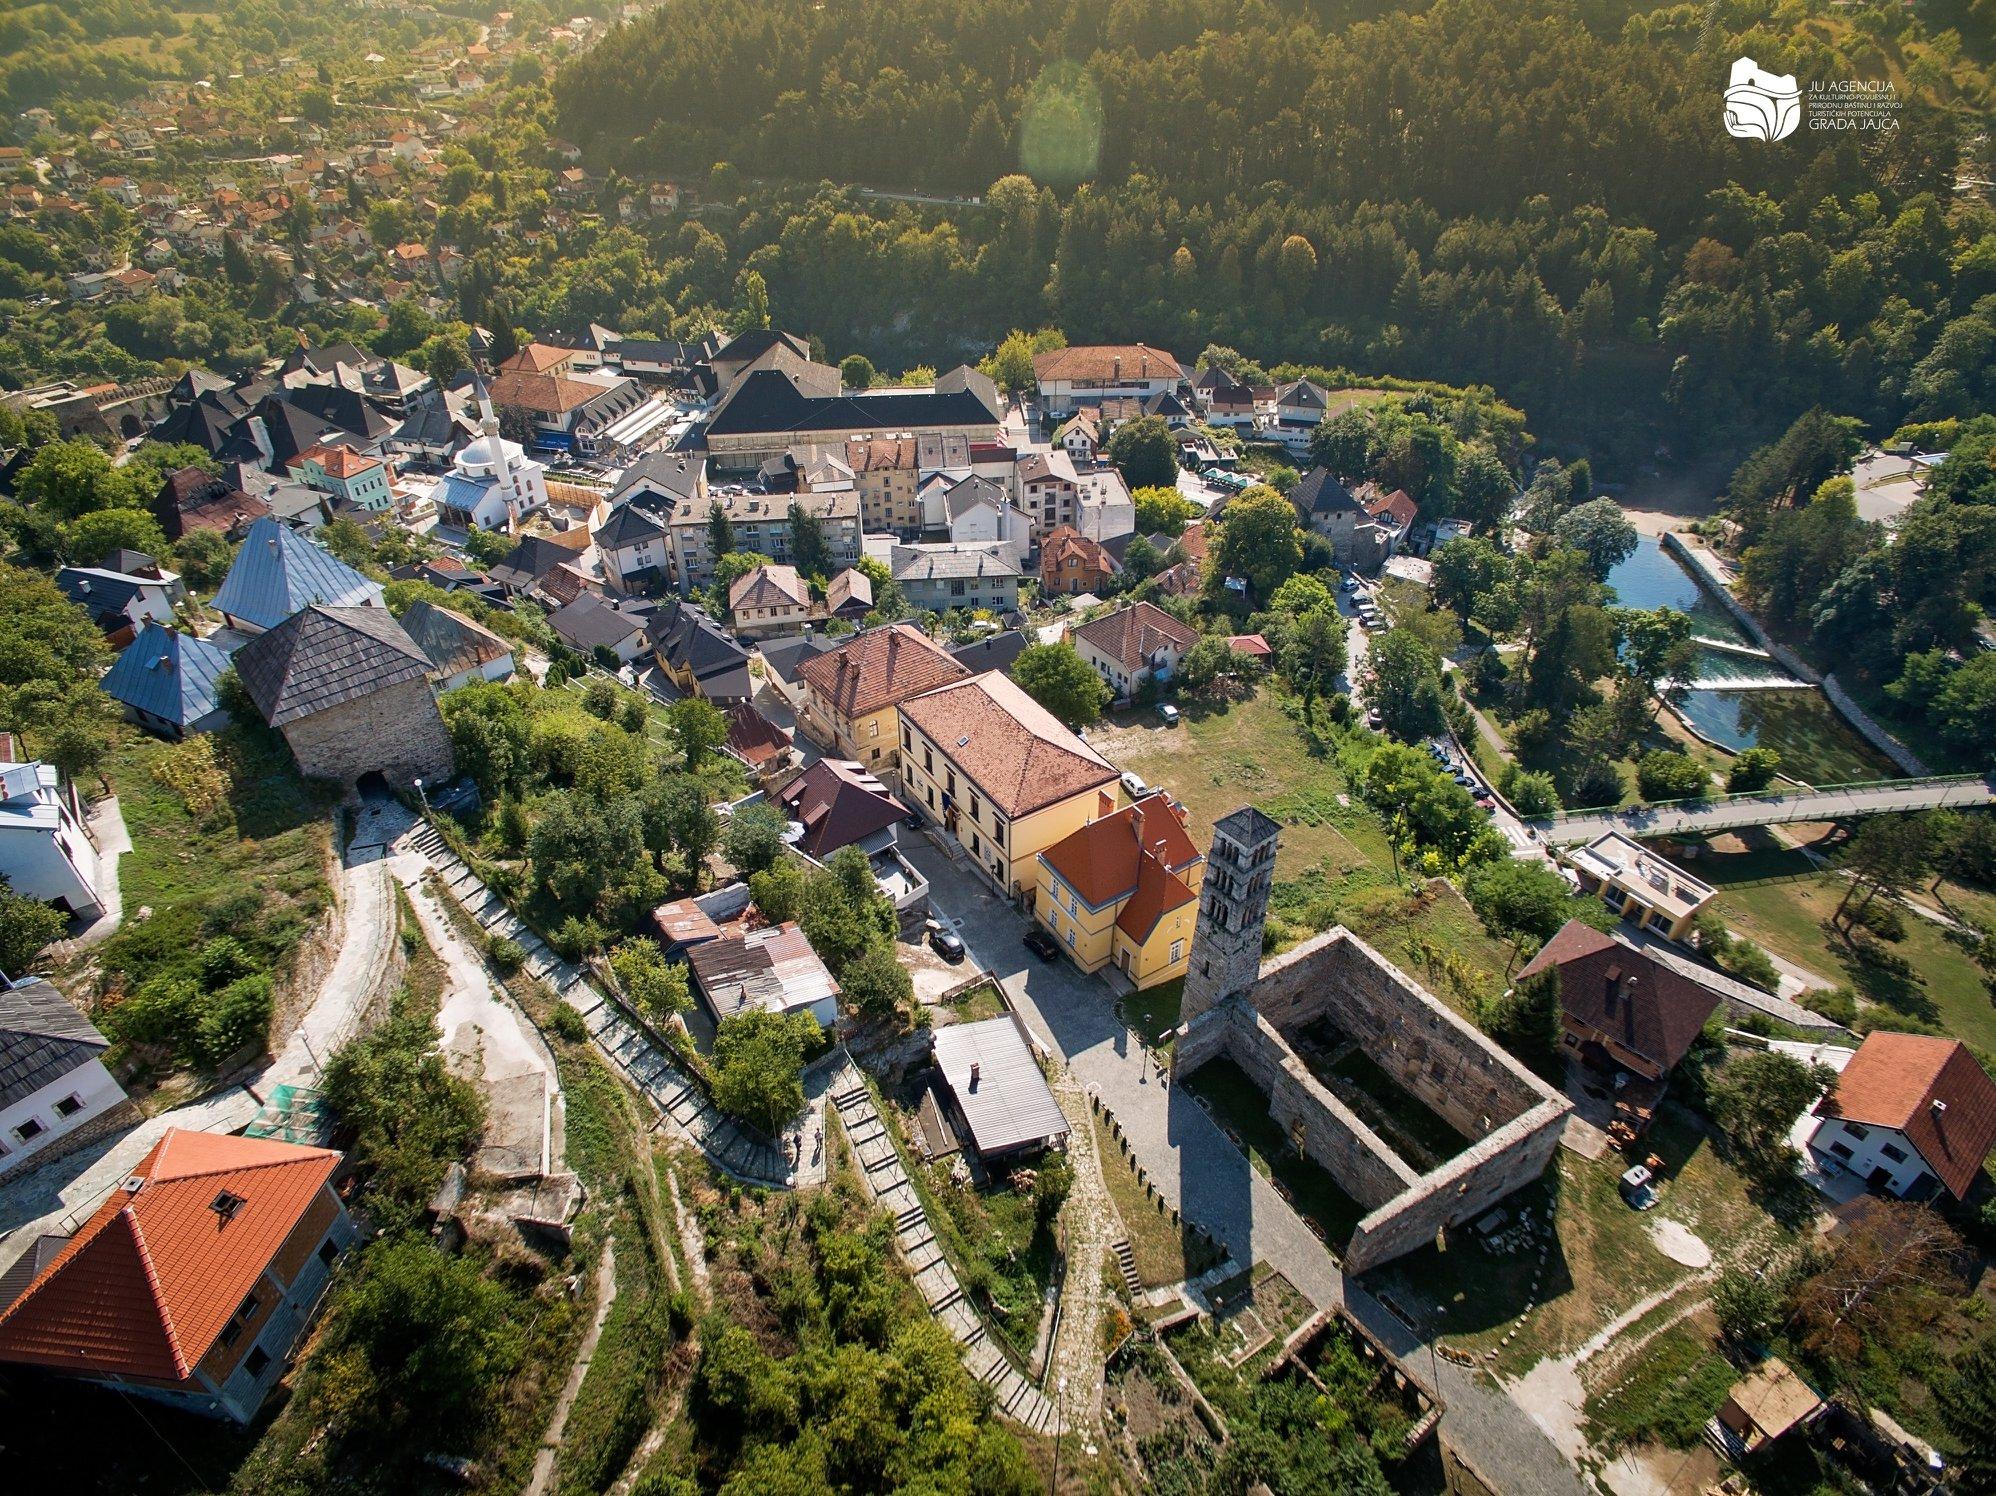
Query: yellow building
x,y
1000,774
1124,890
850,693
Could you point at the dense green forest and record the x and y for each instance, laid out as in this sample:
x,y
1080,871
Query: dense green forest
x,y
1543,198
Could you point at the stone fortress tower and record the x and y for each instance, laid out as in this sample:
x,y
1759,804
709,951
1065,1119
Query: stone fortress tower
x,y
1233,906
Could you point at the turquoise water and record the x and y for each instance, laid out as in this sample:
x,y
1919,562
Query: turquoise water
x,y
1816,745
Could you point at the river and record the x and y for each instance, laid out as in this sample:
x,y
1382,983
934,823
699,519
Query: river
x,y
1739,697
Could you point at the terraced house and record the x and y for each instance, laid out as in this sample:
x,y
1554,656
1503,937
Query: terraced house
x,y
1124,891
1000,774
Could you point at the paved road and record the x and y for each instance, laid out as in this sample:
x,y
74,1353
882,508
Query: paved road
x,y
1770,809
1200,1171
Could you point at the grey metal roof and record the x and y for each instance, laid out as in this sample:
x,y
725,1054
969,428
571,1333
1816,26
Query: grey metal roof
x,y
324,657
774,969
943,561
42,1038
1009,1105
101,591
278,571
167,674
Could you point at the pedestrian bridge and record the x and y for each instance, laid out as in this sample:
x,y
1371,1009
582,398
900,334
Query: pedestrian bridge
x,y
1767,808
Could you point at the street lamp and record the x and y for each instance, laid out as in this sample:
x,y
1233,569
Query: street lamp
x,y
421,799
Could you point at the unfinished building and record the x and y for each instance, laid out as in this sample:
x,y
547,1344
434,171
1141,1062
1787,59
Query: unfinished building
x,y
1412,1111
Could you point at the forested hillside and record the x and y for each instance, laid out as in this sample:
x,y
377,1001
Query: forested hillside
x,y
1542,197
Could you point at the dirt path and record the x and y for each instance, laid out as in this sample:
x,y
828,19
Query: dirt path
x,y
1091,1224
365,929
606,1295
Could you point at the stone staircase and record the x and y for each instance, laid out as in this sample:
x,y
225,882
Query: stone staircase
x,y
678,1098
1126,1263
880,1166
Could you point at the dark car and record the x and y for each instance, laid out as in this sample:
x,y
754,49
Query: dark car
x,y
946,945
1041,944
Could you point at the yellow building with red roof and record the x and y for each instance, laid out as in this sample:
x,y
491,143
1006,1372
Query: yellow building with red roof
x,y
1123,890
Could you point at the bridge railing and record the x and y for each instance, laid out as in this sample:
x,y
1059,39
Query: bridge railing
x,y
1975,786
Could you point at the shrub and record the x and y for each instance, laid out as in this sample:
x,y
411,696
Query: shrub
x,y
236,1018
1750,963
1837,1004
1532,794
507,956
567,1024
576,937
1752,770
1663,775
157,1013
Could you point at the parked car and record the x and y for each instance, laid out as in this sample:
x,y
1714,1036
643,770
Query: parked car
x,y
1133,785
946,945
1167,714
1041,943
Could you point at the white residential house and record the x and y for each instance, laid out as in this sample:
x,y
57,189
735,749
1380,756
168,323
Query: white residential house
x,y
977,512
1104,510
45,850
635,548
55,1093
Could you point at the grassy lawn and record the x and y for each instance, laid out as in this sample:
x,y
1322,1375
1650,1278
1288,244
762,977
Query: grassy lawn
x,y
1162,1250
1153,1013
978,1003
1777,898
1604,1261
1333,864
1672,1388
1241,1107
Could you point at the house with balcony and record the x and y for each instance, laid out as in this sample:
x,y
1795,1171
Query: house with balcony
x,y
1910,1115
1069,378
45,848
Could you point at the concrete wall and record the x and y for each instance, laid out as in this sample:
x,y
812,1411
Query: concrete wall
x,y
1441,1059
397,733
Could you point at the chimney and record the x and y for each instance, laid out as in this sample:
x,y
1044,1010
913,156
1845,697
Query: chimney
x,y
976,1073
1117,365
1940,1107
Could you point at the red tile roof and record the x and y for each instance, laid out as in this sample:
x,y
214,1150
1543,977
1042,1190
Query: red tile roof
x,y
1614,989
1930,1089
1124,361
879,668
1133,855
338,462
150,1281
1007,744
1131,636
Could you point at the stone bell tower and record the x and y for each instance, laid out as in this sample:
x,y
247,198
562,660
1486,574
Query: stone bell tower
x,y
1233,906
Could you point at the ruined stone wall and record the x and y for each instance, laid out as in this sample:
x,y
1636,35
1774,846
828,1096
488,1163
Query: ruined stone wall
x,y
1438,1056
1515,1118
1332,1134
1461,1189
397,732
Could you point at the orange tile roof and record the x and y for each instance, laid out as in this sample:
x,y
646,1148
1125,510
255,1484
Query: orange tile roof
x,y
1133,856
1930,1089
536,358
1006,743
1125,361
544,394
879,668
150,1281
339,462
